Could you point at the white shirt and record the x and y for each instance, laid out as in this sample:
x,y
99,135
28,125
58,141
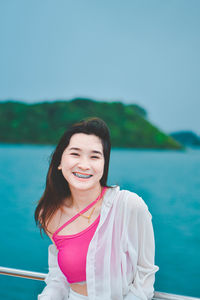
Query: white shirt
x,y
120,258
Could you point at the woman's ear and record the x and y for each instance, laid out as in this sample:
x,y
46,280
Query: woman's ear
x,y
59,167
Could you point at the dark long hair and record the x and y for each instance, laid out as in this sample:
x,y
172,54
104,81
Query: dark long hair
x,y
57,188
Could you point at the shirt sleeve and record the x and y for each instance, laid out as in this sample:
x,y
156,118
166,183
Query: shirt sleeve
x,y
57,286
143,245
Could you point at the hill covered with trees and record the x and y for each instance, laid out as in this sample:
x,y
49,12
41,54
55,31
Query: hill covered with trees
x,y
187,138
45,122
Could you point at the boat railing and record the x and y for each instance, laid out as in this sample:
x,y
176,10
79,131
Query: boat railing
x,y
41,276
22,273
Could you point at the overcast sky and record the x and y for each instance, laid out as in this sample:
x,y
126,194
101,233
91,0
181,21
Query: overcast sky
x,y
135,51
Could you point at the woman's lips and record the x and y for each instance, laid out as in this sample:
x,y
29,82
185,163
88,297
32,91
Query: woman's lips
x,y
82,175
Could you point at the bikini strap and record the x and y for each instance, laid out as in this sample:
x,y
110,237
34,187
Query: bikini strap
x,y
81,212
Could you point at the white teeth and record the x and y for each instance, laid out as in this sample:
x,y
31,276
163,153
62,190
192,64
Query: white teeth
x,y
81,175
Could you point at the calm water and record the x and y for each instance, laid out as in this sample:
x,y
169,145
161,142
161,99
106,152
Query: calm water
x,y
168,181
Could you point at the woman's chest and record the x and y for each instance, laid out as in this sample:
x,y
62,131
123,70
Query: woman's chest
x,y
77,225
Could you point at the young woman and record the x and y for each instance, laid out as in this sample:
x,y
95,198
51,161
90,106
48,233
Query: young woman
x,y
103,241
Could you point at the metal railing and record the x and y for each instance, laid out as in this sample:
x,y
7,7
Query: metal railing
x,y
41,276
22,273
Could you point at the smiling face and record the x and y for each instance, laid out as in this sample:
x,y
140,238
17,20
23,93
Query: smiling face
x,y
82,162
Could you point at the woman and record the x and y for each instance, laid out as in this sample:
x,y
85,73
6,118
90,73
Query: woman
x,y
103,241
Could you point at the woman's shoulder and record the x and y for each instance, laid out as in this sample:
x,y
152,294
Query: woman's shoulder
x,y
54,222
131,200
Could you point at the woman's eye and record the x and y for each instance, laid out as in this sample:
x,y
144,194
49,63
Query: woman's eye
x,y
76,154
94,157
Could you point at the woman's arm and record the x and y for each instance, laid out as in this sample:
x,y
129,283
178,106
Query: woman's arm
x,y
143,244
57,285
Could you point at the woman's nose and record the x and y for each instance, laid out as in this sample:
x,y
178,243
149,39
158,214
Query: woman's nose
x,y
83,163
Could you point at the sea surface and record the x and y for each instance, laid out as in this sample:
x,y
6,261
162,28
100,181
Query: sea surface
x,y
168,181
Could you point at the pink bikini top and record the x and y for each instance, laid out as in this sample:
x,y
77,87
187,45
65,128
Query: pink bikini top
x,y
72,249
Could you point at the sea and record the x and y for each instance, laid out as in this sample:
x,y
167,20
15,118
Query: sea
x,y
167,180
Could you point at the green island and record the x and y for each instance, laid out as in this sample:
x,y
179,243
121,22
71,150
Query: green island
x,y
45,122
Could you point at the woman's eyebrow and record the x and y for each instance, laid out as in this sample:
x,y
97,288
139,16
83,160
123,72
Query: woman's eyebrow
x,y
97,152
78,149
74,148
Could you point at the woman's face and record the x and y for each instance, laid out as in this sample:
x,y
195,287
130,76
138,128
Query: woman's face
x,y
82,162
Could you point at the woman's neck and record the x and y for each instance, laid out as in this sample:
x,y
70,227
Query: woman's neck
x,y
82,198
